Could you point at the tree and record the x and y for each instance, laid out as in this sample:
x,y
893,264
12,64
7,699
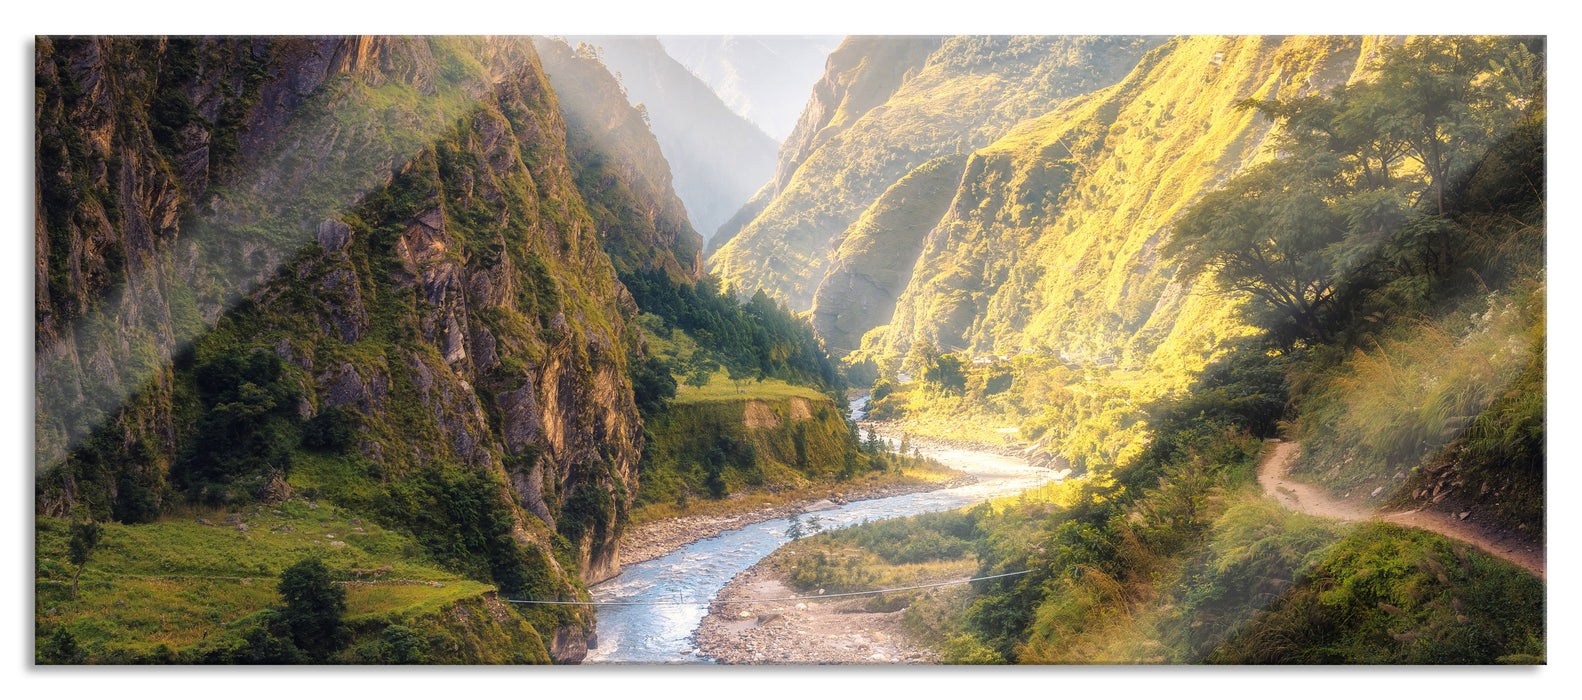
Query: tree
x,y
948,373
1428,92
401,645
84,537
923,355
249,426
718,487
794,530
61,648
653,386
1267,233
700,370
815,525
1284,231
314,607
739,376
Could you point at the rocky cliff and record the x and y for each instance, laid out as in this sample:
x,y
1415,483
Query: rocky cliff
x,y
398,221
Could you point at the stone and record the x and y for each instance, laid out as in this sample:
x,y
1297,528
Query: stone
x,y
334,235
242,527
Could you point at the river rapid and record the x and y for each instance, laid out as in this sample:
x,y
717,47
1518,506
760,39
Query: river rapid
x,y
648,634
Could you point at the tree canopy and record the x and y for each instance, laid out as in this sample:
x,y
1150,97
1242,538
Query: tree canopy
x,y
1355,165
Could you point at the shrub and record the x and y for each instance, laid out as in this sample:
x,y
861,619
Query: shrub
x,y
314,608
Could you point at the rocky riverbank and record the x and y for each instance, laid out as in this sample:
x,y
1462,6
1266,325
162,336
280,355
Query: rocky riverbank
x,y
892,430
656,539
1037,454
829,631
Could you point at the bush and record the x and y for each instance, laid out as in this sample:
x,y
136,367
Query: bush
x,y
333,429
314,608
61,648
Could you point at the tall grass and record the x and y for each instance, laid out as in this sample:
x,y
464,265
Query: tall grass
x,y
1389,407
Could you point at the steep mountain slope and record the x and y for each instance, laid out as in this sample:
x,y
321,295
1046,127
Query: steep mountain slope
x,y
621,171
1050,240
874,262
765,79
884,107
360,267
718,158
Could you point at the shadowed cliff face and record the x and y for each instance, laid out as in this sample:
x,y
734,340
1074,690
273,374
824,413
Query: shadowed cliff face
x,y
397,219
620,170
874,262
719,159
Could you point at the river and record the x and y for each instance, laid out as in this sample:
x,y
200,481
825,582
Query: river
x,y
647,634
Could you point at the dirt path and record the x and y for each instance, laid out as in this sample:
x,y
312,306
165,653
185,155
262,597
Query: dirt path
x,y
1307,498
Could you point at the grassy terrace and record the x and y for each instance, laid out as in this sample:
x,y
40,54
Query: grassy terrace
x,y
721,388
179,583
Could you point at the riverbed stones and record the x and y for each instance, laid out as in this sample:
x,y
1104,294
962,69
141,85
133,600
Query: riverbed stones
x,y
832,631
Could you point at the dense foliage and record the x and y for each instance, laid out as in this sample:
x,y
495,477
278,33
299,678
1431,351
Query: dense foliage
x,y
759,338
248,431
463,522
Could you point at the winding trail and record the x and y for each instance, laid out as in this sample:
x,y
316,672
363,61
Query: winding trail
x,y
1309,499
